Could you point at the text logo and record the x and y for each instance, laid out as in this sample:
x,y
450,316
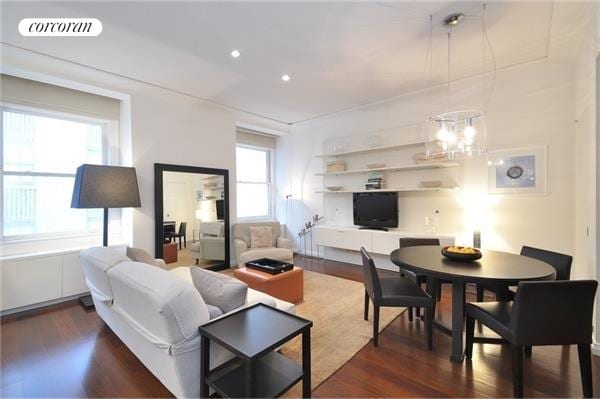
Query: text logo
x,y
60,27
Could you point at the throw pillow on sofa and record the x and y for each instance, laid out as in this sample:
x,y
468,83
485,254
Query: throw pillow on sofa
x,y
139,255
261,236
224,292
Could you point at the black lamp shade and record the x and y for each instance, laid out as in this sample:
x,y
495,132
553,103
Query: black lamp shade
x,y
101,186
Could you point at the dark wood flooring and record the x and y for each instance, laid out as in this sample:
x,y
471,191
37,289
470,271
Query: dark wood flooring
x,y
64,351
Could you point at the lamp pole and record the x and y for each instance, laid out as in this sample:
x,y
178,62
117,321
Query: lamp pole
x,y
105,230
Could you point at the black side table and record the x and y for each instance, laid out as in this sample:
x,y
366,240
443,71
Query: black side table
x,y
258,371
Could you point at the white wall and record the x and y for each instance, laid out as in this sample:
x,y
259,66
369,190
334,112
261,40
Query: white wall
x,y
587,114
532,105
165,127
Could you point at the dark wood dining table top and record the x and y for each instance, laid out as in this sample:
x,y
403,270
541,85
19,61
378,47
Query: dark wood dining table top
x,y
494,266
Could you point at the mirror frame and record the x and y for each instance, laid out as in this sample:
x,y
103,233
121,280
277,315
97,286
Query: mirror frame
x,y
159,168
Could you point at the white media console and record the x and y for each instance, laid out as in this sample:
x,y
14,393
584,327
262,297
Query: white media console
x,y
374,241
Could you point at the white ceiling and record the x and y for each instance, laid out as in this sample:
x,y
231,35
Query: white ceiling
x,y
339,55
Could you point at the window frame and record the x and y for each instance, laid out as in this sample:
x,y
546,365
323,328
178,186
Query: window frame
x,y
109,129
269,183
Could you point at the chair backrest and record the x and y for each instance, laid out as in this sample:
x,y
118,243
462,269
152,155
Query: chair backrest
x,y
415,242
562,263
372,285
182,228
211,229
241,231
553,312
168,228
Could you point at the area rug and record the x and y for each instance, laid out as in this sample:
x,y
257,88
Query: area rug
x,y
335,306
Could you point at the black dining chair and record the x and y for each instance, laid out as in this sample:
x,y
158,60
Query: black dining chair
x,y
542,313
419,278
560,262
394,292
181,234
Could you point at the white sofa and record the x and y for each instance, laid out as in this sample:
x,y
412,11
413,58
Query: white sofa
x,y
156,313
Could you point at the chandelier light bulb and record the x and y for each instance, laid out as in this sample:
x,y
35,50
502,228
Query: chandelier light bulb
x,y
442,134
469,134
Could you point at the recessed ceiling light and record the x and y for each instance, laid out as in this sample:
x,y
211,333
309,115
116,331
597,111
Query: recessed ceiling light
x,y
285,78
235,53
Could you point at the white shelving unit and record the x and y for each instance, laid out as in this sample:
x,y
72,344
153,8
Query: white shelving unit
x,y
388,190
437,165
370,149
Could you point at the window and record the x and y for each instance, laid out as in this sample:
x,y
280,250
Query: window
x,y
40,154
253,169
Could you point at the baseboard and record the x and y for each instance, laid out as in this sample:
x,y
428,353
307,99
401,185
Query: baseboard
x,y
41,304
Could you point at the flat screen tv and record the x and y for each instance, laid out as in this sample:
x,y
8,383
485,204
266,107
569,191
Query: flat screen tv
x,y
220,209
376,210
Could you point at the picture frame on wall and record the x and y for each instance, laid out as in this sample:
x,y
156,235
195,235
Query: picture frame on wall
x,y
520,171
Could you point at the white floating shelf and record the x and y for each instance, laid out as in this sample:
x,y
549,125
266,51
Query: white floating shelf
x,y
394,168
370,149
388,190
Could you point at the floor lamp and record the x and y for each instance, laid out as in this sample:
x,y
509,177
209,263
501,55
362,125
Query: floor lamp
x,y
102,186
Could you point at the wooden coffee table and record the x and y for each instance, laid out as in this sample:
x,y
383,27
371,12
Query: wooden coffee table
x,y
258,370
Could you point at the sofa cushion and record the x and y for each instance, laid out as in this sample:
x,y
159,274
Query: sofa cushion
x,y
139,255
213,311
96,262
164,309
261,236
219,290
282,254
253,296
241,231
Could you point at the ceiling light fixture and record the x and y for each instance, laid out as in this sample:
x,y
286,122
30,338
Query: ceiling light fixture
x,y
235,53
285,78
458,133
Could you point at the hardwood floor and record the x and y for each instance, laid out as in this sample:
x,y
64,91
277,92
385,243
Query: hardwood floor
x,y
65,351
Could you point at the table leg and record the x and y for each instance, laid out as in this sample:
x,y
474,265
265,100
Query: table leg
x,y
251,379
503,294
433,290
458,306
306,380
204,365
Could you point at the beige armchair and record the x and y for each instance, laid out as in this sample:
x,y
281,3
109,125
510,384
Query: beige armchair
x,y
281,248
211,245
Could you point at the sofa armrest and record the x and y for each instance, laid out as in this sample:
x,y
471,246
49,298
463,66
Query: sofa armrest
x,y
161,263
284,243
240,248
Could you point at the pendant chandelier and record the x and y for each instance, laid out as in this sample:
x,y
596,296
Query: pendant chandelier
x,y
457,134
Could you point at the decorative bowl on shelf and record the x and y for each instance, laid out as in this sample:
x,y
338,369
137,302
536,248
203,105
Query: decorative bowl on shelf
x,y
463,254
334,188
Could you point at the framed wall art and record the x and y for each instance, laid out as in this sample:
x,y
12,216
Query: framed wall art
x,y
518,171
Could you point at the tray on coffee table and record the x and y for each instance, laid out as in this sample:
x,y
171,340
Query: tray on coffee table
x,y
270,266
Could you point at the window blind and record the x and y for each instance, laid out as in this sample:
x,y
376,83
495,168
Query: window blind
x,y
254,138
42,95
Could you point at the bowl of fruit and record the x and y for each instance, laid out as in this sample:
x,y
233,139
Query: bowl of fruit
x,y
464,254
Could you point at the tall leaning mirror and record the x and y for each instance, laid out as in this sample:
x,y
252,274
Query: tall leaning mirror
x,y
192,216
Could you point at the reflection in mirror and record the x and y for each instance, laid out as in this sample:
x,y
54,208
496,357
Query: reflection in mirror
x,y
193,219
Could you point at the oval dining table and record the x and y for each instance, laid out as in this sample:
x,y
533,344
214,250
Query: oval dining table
x,y
495,268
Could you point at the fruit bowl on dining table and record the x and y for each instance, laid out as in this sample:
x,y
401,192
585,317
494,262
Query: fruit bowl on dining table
x,y
464,254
